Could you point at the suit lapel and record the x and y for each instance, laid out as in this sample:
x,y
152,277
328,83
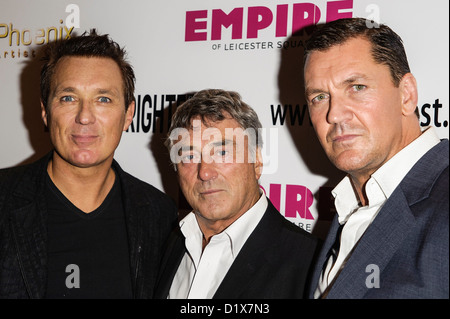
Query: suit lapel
x,y
172,258
241,272
376,247
139,211
323,255
132,213
253,255
29,228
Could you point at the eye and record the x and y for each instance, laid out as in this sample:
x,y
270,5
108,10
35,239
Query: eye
x,y
319,98
104,99
190,158
358,87
222,152
67,98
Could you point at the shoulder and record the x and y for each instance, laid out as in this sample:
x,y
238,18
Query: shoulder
x,y
29,174
20,185
142,193
428,179
428,198
12,172
285,246
433,209
289,233
8,178
139,186
440,188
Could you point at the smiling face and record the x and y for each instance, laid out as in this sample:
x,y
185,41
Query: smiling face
x,y
216,176
86,111
361,118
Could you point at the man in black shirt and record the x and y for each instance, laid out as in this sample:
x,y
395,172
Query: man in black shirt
x,y
94,243
74,224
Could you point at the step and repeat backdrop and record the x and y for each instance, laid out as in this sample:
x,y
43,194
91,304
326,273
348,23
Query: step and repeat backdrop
x,y
177,47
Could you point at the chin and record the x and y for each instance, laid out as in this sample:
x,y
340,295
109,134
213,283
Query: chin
x,y
210,213
85,159
348,163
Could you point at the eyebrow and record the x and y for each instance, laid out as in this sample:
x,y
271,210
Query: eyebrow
x,y
222,142
107,91
66,89
71,89
354,78
350,80
309,92
185,148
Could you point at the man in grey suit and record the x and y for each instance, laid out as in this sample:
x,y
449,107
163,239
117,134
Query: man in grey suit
x,y
390,237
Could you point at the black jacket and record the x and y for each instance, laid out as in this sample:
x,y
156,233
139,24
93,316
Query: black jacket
x,y
150,216
274,262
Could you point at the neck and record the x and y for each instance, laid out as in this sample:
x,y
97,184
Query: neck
x,y
359,188
86,188
211,227
359,179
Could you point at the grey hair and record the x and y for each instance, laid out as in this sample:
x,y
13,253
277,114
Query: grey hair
x,y
216,105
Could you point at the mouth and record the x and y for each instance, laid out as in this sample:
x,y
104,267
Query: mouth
x,y
346,138
82,139
210,192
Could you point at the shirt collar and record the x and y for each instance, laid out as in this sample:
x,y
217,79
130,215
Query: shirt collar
x,y
237,233
194,237
242,228
345,199
393,171
384,181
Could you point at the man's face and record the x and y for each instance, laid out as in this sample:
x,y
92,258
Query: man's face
x,y
86,110
216,176
354,106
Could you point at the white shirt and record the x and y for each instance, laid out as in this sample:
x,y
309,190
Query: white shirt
x,y
200,273
379,187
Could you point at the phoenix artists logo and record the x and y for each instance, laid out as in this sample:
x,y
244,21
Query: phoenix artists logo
x,y
16,42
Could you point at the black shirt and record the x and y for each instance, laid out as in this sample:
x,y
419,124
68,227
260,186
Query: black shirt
x,y
87,252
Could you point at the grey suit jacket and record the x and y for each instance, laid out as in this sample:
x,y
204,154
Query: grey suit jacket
x,y
273,263
406,248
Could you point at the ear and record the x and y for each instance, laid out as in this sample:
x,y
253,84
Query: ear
x,y
44,114
258,163
129,114
409,95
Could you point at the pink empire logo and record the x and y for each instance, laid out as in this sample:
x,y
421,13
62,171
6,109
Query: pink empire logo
x,y
297,201
200,25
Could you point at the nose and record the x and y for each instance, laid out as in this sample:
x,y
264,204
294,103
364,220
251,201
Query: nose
x,y
206,170
85,113
339,110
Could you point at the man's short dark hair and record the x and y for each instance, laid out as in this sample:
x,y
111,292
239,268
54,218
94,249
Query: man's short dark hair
x,y
387,46
87,45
